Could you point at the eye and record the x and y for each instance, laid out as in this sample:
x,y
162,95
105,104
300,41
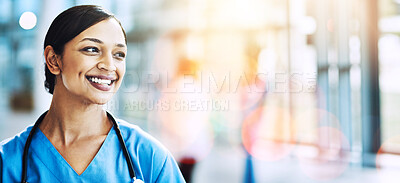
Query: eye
x,y
90,50
119,55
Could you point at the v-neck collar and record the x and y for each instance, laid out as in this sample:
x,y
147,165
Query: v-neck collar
x,y
56,163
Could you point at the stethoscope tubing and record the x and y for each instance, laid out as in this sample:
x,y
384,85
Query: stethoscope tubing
x,y
36,125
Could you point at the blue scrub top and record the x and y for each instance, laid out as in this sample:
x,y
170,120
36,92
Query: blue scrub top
x,y
152,161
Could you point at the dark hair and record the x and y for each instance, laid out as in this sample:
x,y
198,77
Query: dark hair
x,y
66,26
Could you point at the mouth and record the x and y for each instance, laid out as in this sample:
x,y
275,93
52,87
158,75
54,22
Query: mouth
x,y
101,82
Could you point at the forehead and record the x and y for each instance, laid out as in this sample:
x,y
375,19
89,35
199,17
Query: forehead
x,y
109,31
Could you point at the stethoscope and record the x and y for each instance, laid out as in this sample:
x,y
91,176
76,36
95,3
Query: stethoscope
x,y
117,130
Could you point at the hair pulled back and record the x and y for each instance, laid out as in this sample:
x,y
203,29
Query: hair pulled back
x,y
66,26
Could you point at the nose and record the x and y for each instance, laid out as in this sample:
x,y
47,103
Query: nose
x,y
107,63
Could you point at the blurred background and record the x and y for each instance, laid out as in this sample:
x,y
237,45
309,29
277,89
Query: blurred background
x,y
238,90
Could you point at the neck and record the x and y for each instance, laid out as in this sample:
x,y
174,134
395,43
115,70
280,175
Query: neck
x,y
70,119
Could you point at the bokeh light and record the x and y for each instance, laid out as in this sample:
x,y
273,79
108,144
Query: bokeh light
x,y
267,133
308,25
28,20
329,159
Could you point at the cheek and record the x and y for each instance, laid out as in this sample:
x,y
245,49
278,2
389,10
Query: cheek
x,y
121,73
73,72
121,70
72,80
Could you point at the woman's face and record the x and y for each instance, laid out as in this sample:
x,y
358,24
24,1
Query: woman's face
x,y
93,63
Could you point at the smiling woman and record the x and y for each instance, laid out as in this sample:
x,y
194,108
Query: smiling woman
x,y
93,63
76,140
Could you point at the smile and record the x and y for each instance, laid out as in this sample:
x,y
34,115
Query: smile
x,y
102,83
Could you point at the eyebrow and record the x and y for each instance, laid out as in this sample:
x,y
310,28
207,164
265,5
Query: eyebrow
x,y
101,42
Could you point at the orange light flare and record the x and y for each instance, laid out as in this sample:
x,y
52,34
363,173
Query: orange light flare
x,y
388,165
329,159
267,133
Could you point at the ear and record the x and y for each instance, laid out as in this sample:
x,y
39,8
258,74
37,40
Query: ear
x,y
52,60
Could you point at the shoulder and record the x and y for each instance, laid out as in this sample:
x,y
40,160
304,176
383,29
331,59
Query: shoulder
x,y
15,144
135,136
11,151
153,158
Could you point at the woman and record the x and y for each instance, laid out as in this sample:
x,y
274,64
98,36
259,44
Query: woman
x,y
76,140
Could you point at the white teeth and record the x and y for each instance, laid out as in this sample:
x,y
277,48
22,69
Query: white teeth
x,y
100,81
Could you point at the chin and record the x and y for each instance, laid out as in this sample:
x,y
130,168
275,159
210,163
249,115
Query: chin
x,y
101,100
102,103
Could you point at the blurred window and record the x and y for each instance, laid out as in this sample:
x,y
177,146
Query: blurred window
x,y
389,73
